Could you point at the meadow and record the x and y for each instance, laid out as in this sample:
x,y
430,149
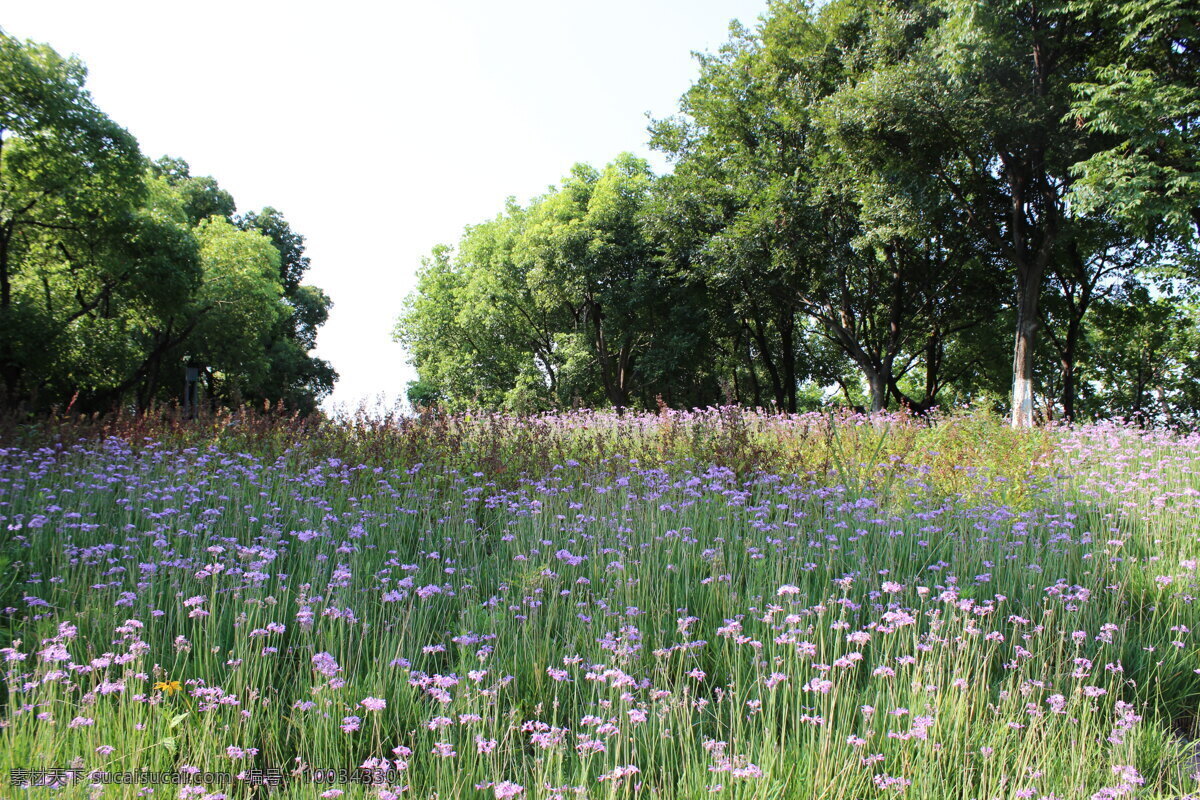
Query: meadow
x,y
719,603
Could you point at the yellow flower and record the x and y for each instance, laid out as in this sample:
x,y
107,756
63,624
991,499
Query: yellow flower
x,y
169,687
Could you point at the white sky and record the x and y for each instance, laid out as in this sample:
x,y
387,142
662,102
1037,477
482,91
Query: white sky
x,y
382,129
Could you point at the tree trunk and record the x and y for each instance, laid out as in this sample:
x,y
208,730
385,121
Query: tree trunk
x,y
1022,400
624,377
1068,376
1166,406
1031,267
1078,286
10,370
764,352
933,364
879,387
611,388
755,385
789,364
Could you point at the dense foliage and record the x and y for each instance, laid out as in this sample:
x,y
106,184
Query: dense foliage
x,y
880,203
117,273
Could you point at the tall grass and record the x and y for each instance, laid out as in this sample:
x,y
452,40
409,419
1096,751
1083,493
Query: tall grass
x,y
719,603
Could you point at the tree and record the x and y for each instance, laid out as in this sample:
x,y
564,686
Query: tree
x,y
467,350
794,225
115,272
566,301
586,252
1146,97
219,324
978,108
476,334
1091,266
294,378
871,186
1144,363
237,308
70,179
100,347
200,197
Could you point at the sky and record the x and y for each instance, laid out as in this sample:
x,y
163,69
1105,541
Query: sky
x,y
382,129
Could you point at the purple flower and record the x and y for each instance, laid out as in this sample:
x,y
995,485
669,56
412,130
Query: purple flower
x,y
325,664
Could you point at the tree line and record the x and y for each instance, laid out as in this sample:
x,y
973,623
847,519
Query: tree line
x,y
118,273
879,203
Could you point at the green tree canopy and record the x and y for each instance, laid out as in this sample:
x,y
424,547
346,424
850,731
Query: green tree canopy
x,y
115,272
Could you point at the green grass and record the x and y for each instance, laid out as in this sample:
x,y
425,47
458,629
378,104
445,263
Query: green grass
x,y
1016,608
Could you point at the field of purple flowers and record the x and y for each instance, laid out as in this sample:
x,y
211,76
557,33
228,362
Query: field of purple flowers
x,y
721,604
